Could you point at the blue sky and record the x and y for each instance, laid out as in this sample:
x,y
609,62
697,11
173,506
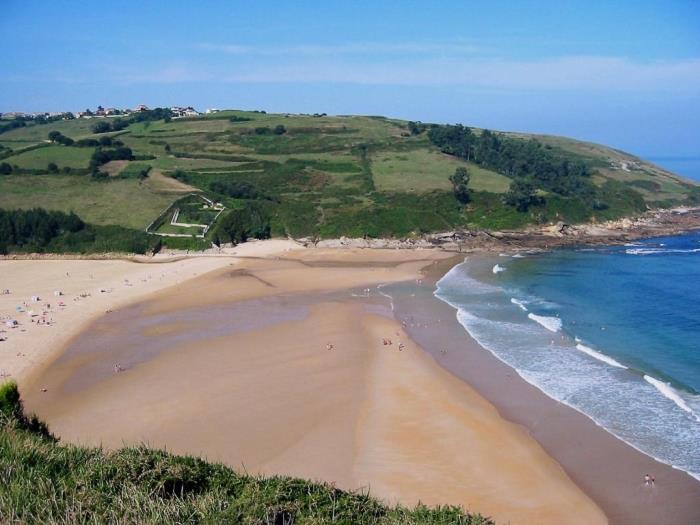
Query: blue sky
x,y
626,74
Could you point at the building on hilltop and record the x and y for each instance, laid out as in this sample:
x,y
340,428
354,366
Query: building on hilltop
x,y
180,112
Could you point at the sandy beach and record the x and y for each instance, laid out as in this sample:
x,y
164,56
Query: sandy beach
x,y
282,360
88,289
279,365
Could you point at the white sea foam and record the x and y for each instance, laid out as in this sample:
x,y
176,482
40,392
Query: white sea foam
x,y
519,303
457,280
553,324
614,399
658,251
518,256
600,357
669,392
498,268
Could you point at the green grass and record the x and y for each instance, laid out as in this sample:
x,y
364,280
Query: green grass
x,y
38,159
426,170
327,175
43,481
125,202
75,129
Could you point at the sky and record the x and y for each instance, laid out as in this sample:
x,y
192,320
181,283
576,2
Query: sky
x,y
623,73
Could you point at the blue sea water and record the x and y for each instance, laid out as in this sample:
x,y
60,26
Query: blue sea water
x,y
688,167
613,332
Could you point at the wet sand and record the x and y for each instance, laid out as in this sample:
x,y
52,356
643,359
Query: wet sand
x,y
235,366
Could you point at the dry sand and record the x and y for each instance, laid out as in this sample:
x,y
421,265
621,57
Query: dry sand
x,y
104,285
275,399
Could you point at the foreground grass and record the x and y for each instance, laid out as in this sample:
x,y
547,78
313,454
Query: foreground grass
x,y
42,481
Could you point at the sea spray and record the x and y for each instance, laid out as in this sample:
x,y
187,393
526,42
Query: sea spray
x,y
597,355
553,324
669,392
520,304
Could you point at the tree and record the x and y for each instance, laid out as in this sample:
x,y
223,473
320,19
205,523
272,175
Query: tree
x,y
522,195
460,184
167,148
54,136
101,127
280,130
416,128
5,169
52,167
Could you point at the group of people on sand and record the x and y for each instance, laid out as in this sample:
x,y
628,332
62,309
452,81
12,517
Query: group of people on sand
x,y
649,480
388,342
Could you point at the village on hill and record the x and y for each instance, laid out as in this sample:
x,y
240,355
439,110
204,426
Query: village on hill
x,y
101,111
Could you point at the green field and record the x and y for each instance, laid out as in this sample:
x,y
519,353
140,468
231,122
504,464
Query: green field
x,y
38,159
317,175
125,202
425,170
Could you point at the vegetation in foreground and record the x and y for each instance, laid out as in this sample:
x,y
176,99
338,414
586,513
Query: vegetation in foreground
x,y
43,481
323,176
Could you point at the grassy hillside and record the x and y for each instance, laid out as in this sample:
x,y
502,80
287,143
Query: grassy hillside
x,y
326,176
42,481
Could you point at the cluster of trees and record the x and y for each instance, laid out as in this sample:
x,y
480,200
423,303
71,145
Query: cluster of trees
x,y
236,118
59,138
39,230
416,128
119,124
95,143
518,159
103,126
239,225
103,156
19,122
265,130
237,189
36,228
522,194
5,168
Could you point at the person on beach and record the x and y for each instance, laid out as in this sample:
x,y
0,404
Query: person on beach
x,y
647,480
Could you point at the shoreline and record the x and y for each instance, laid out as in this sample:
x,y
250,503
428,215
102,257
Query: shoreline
x,y
544,419
607,468
389,418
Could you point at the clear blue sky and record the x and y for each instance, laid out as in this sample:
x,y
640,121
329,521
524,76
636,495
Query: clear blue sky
x,y
626,74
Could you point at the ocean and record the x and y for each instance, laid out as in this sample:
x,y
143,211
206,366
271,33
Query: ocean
x,y
613,332
688,167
